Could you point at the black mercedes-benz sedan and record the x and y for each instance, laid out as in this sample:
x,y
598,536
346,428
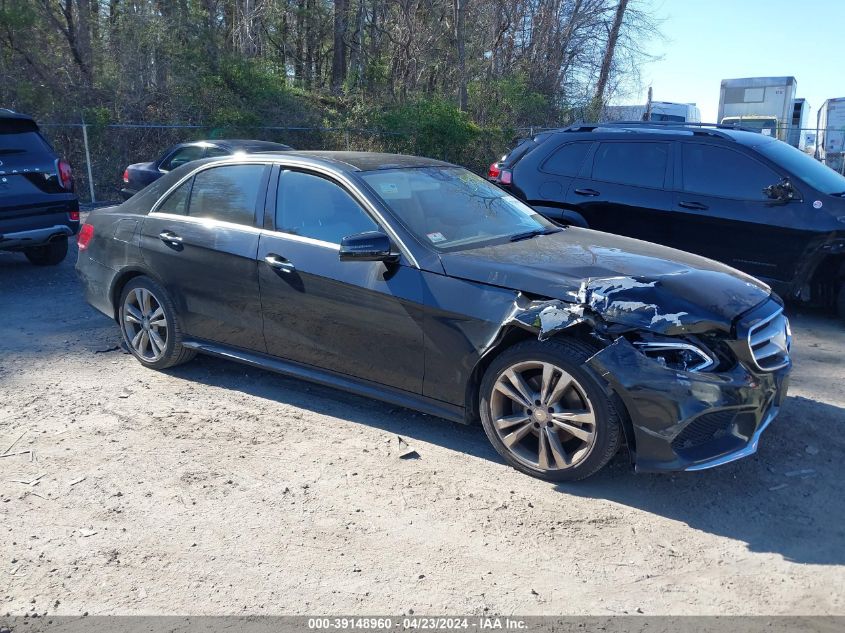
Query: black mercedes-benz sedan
x,y
419,283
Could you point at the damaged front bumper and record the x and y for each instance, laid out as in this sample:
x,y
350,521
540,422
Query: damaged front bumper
x,y
690,420
679,420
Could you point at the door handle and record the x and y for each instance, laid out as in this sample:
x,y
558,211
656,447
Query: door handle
x,y
587,192
278,262
169,237
697,206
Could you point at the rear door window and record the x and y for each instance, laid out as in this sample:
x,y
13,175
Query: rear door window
x,y
718,171
567,159
641,164
228,194
212,152
177,202
181,156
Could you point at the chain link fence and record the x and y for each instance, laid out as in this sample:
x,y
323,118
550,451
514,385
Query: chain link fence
x,y
100,153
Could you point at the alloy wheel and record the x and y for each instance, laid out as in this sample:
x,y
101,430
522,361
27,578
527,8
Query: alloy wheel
x,y
144,324
543,415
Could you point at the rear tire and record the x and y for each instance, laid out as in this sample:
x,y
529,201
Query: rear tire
x,y
546,413
150,325
49,254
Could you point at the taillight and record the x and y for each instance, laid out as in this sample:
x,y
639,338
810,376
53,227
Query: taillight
x,y
494,171
65,175
73,216
126,176
86,234
506,177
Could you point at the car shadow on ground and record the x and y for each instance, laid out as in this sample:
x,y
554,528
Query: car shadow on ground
x,y
408,424
781,500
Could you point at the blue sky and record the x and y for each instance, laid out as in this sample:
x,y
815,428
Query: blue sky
x,y
710,40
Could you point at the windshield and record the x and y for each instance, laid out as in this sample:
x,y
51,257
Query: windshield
x,y
450,208
805,167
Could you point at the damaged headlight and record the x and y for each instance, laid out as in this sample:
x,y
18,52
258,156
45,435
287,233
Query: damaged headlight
x,y
678,356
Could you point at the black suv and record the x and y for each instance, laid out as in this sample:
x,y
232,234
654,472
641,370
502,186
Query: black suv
x,y
733,195
38,208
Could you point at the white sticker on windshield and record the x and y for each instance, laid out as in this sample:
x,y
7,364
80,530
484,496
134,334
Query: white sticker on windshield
x,y
436,237
389,188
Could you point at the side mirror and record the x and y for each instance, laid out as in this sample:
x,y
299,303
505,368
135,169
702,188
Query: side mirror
x,y
371,246
782,191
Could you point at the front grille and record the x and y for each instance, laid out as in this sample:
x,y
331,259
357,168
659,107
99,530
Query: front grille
x,y
769,341
703,429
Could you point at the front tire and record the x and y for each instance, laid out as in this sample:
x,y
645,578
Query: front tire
x,y
150,325
50,254
546,414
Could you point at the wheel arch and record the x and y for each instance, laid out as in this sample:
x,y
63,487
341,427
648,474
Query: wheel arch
x,y
511,335
826,277
119,283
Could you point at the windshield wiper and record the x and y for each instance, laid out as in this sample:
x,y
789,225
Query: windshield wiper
x,y
527,235
841,194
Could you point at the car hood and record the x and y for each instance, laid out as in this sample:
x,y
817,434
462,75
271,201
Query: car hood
x,y
619,279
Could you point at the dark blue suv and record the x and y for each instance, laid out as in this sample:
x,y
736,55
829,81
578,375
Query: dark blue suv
x,y
38,208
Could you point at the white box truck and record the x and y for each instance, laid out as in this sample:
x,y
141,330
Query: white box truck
x,y
830,133
799,125
761,103
660,111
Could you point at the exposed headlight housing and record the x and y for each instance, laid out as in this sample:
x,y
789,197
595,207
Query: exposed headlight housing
x,y
678,356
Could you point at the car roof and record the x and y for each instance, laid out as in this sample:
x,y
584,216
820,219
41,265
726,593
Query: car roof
x,y
370,161
237,144
351,161
672,129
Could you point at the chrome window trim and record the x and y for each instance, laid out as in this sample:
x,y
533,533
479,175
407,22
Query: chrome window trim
x,y
303,239
248,229
283,162
207,221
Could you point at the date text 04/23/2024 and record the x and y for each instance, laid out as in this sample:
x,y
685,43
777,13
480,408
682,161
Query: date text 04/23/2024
x,y
416,623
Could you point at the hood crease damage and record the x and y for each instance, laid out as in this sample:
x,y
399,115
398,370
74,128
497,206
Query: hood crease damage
x,y
611,304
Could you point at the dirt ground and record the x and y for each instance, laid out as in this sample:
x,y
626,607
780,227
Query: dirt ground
x,y
215,488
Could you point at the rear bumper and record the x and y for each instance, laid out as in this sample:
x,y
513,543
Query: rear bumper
x,y
18,240
97,280
127,193
690,420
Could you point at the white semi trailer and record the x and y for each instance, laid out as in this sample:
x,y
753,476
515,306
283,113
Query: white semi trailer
x,y
830,133
761,103
800,124
659,111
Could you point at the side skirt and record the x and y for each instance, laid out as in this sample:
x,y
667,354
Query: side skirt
x,y
331,379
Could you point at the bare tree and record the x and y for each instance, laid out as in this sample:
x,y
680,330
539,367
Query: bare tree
x,y
607,59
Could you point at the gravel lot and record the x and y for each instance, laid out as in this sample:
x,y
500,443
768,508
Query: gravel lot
x,y
215,488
